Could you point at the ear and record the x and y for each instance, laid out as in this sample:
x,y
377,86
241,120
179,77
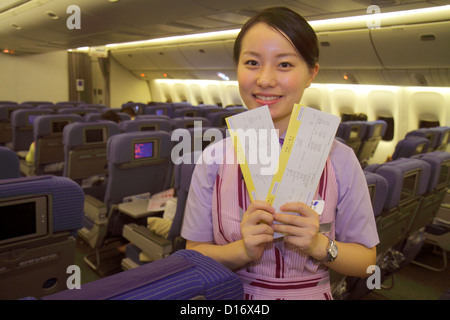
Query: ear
x,y
313,73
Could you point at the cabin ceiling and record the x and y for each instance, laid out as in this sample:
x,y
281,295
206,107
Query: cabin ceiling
x,y
405,52
36,26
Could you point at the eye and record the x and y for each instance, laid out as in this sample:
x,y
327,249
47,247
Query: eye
x,y
285,64
252,63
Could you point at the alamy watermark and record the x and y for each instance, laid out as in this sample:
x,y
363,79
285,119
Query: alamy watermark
x,y
74,20
259,147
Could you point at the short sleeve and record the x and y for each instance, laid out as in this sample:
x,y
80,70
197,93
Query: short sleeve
x,y
355,221
197,223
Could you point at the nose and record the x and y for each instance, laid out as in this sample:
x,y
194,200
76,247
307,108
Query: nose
x,y
266,77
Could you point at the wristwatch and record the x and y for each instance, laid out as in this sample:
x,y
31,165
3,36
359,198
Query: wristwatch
x,y
332,252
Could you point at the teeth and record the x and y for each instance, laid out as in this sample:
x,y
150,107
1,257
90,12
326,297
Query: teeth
x,y
267,98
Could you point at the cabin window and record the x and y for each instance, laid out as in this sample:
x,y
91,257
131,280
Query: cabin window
x,y
428,124
389,134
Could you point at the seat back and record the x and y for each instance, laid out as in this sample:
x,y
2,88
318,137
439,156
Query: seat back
x,y
410,146
374,132
22,127
407,182
352,132
429,133
85,148
9,164
187,112
444,138
138,162
439,181
79,110
217,119
36,103
183,170
48,135
162,109
6,110
146,124
189,122
39,216
378,190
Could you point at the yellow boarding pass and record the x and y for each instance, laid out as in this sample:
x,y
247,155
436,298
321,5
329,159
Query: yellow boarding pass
x,y
306,146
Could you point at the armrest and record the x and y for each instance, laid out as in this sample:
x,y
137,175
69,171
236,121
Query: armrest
x,y
154,246
96,211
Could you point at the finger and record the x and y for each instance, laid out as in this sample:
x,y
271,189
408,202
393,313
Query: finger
x,y
296,220
300,208
260,229
260,205
287,229
259,216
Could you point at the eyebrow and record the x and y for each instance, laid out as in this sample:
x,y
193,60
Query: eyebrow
x,y
280,55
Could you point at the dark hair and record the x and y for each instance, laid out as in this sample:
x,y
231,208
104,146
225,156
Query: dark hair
x,y
294,26
111,115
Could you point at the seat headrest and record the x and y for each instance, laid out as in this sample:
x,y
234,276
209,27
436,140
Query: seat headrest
x,y
439,162
376,128
188,122
74,134
25,117
410,146
146,124
67,203
53,123
352,130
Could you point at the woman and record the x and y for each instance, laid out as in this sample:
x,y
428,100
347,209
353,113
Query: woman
x,y
277,59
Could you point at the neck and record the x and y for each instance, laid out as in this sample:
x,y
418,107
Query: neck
x,y
282,126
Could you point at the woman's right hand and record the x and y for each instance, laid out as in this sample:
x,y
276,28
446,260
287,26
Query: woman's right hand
x,y
256,228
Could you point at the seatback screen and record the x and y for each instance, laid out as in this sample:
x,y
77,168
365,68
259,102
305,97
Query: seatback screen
x,y
143,150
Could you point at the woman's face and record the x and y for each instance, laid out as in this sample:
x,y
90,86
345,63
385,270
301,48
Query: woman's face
x,y
271,72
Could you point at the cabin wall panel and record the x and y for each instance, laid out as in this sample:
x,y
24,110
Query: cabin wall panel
x,y
35,77
124,87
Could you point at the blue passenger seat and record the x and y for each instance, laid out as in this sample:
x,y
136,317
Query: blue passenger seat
x,y
374,132
162,237
185,275
9,164
22,128
49,147
138,163
39,219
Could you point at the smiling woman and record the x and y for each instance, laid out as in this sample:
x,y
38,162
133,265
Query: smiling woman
x,y
276,55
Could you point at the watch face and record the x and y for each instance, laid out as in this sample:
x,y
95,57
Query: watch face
x,y
333,250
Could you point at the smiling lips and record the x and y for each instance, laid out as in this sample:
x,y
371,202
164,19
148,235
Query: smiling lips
x,y
267,99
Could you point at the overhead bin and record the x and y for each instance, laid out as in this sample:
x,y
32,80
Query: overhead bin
x,y
134,59
168,58
414,46
207,55
347,49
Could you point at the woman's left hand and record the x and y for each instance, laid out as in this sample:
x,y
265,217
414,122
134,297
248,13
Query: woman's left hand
x,y
301,230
